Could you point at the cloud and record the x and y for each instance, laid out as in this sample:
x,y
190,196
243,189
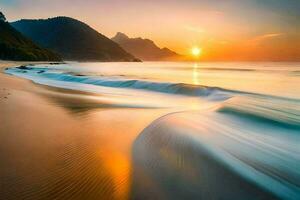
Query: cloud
x,y
261,38
194,29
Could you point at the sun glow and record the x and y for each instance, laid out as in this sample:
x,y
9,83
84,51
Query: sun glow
x,y
196,51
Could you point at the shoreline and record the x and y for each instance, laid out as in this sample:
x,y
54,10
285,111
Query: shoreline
x,y
60,144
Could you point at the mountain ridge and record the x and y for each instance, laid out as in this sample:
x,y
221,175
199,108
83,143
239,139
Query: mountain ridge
x,y
72,39
145,49
15,46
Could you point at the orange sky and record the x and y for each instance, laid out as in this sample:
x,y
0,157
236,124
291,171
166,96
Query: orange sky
x,y
225,30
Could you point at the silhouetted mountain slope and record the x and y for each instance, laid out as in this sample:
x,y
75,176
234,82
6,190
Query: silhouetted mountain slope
x,y
72,39
144,49
14,46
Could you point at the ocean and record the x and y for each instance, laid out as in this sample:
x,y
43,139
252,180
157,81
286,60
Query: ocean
x,y
242,118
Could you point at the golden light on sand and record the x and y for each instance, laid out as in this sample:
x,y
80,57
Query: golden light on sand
x,y
196,51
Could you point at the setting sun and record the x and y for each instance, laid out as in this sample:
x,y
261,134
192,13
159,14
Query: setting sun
x,y
196,51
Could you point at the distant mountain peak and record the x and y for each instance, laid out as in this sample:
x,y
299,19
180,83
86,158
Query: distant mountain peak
x,y
144,49
120,36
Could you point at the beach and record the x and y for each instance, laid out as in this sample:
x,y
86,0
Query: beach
x,y
59,144
69,132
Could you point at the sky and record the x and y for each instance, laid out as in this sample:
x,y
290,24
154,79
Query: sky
x,y
233,30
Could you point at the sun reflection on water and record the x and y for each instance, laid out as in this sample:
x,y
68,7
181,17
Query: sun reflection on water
x,y
196,74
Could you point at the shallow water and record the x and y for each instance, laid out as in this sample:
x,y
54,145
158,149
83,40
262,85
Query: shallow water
x,y
280,79
237,122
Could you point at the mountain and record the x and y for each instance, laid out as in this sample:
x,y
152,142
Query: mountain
x,y
144,49
14,46
72,39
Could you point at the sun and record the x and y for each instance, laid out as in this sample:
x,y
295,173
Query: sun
x,y
196,51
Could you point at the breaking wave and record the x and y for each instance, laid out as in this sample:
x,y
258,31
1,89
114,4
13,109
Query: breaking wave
x,y
36,74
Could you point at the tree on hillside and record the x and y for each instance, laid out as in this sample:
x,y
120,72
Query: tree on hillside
x,y
2,17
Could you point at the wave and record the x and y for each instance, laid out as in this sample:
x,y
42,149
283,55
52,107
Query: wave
x,y
52,76
263,110
46,75
215,156
37,73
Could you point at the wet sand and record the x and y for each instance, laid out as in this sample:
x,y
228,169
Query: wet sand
x,y
62,144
